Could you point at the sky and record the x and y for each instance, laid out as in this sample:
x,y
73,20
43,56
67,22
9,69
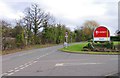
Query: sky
x,y
72,13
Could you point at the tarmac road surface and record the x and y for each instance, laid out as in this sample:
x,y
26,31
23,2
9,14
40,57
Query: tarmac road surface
x,y
51,62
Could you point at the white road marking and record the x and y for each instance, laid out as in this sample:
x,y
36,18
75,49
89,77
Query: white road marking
x,y
70,64
25,65
35,61
10,70
30,62
59,64
16,70
110,74
4,74
10,74
21,66
45,55
38,58
73,64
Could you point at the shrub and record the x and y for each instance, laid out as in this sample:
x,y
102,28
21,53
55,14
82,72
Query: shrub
x,y
109,45
8,43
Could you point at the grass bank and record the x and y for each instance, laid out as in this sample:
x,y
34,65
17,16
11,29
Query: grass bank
x,y
77,48
116,43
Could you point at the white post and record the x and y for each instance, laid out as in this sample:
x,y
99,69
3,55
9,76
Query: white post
x,y
66,40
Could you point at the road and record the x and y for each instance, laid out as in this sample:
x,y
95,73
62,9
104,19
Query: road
x,y
51,62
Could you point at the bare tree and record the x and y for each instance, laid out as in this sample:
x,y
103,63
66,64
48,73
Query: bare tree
x,y
35,18
91,24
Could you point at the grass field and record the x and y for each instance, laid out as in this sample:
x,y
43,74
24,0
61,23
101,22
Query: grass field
x,y
77,48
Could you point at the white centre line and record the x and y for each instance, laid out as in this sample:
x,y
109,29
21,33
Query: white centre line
x,y
38,58
16,70
10,70
26,63
30,62
24,66
35,61
21,66
10,74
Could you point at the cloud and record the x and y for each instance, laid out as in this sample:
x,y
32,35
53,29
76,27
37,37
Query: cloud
x,y
70,12
9,13
73,9
75,12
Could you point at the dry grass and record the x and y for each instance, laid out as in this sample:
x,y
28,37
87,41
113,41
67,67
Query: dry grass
x,y
25,48
0,52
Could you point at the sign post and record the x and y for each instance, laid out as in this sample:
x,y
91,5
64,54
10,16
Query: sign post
x,y
66,39
101,33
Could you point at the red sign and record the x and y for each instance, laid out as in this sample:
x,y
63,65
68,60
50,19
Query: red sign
x,y
101,34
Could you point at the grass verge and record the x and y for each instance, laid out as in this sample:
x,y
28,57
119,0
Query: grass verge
x,y
77,48
25,48
116,43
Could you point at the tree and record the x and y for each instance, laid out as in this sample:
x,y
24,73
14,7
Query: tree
x,y
86,31
35,17
19,34
6,34
79,34
88,28
6,29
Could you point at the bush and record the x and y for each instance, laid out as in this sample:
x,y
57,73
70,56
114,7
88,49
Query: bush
x,y
91,40
8,43
109,45
20,41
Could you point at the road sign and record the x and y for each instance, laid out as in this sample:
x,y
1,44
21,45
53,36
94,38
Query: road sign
x,y
66,40
101,33
66,34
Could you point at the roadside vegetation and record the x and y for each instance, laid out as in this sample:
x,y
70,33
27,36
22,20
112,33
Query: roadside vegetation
x,y
78,48
30,47
39,29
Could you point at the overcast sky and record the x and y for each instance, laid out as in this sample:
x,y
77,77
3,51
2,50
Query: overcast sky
x,y
72,13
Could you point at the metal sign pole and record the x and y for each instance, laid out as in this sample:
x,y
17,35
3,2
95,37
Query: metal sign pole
x,y
66,40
